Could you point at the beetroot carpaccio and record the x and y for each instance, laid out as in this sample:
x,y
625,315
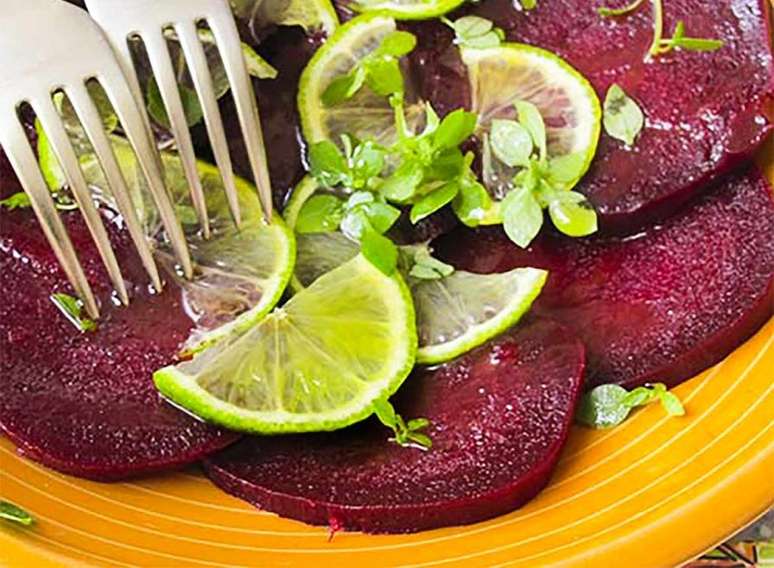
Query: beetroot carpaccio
x,y
681,273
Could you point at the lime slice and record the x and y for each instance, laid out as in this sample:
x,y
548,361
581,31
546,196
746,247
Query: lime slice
x,y
311,15
318,363
367,115
240,275
500,76
454,314
408,9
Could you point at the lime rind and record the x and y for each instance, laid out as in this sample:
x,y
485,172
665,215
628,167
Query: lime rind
x,y
409,10
184,390
527,284
558,72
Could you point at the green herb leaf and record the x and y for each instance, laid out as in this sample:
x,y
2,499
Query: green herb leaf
x,y
16,201
565,171
604,407
397,44
354,224
344,87
406,435
572,214
381,216
320,214
472,202
434,201
327,164
476,32
609,405
455,128
158,110
367,163
679,40
383,76
531,119
401,186
623,118
425,267
379,250
511,143
528,4
15,514
522,216
71,308
611,12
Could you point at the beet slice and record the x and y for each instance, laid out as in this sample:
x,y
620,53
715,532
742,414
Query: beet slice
x,y
657,307
85,404
500,416
705,111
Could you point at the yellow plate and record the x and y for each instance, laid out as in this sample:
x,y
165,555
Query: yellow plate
x,y
654,492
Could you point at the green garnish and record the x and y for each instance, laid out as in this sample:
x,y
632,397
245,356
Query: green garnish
x,y
622,116
71,308
609,405
16,201
407,434
661,45
475,32
541,182
380,70
418,262
15,514
528,4
192,108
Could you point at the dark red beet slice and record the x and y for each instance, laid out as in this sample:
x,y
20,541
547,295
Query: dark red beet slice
x,y
705,110
85,404
661,306
500,416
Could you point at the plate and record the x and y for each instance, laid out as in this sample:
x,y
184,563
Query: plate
x,y
656,491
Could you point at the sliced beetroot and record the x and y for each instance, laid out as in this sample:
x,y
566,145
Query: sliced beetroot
x,y
499,418
705,111
657,307
85,404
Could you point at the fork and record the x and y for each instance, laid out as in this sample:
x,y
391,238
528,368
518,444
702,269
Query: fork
x,y
48,46
147,20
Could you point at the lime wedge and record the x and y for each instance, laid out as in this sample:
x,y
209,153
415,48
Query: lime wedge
x,y
454,314
319,363
367,115
311,15
501,76
240,275
408,9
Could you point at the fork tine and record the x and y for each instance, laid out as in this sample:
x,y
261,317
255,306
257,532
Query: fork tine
x,y
202,80
92,123
24,163
164,72
129,114
60,142
227,38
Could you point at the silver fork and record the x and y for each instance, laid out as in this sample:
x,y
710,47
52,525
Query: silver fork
x,y
148,19
48,46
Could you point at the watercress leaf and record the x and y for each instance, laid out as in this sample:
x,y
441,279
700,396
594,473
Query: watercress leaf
x,y
604,407
385,412
359,198
446,166
434,201
511,143
326,163
71,308
16,201
397,44
472,202
486,41
672,404
383,76
402,184
15,514
381,216
531,119
639,397
418,424
528,4
622,117
469,27
379,250
320,214
158,110
421,272
344,87
455,128
699,44
564,171
522,216
572,214
428,268
422,440
367,162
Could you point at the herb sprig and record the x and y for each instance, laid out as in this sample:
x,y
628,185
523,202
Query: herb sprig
x,y
72,309
622,117
475,32
609,405
660,44
407,434
15,514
